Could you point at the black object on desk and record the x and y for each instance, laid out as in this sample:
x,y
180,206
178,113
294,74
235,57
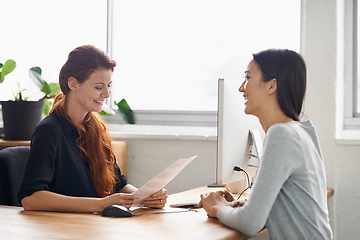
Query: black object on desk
x,y
117,211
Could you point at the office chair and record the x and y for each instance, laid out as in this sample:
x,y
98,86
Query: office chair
x,y
12,166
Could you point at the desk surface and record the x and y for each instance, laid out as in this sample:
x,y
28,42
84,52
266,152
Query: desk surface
x,y
15,223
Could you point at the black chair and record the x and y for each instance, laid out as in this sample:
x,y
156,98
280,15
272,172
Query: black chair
x,y
12,166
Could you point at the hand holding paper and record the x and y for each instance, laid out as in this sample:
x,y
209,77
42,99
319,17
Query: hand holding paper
x,y
161,179
156,200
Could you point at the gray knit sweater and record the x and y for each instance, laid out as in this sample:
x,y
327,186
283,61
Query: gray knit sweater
x,y
289,193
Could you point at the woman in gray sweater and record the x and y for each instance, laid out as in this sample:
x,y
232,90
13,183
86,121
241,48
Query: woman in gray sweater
x,y
289,194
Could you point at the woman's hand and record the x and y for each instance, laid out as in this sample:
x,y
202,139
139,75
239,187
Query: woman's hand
x,y
156,200
123,199
213,201
227,195
230,198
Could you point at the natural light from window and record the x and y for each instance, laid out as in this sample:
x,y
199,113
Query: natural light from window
x,y
42,33
170,54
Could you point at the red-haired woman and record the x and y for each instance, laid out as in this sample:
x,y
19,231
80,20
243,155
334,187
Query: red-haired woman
x,y
71,166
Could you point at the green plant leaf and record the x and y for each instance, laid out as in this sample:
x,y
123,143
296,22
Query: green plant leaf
x,y
36,69
125,111
45,87
7,68
50,89
47,107
54,88
106,111
35,75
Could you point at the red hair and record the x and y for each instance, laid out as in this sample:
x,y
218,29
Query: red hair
x,y
93,141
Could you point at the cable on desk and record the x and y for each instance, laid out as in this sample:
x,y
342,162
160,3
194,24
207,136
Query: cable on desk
x,y
239,169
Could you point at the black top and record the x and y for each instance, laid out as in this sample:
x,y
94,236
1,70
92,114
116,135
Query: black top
x,y
55,163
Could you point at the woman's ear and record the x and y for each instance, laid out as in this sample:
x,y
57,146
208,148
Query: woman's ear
x,y
72,83
272,86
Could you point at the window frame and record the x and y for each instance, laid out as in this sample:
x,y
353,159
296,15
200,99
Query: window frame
x,y
351,116
169,117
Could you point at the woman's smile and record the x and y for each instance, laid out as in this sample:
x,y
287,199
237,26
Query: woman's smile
x,y
99,102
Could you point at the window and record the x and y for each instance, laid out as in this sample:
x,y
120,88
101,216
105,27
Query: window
x,y
170,54
357,79
42,33
352,66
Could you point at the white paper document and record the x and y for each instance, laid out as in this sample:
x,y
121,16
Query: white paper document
x,y
161,179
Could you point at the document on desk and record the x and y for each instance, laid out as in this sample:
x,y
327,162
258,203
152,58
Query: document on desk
x,y
161,179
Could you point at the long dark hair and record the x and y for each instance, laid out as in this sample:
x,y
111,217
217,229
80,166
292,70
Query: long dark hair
x,y
289,69
94,141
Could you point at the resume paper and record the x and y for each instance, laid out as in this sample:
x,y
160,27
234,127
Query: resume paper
x,y
161,179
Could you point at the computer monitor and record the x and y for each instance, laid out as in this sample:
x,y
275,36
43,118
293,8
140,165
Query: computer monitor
x,y
240,136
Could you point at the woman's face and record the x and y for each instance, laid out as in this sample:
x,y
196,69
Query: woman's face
x,y
91,94
254,89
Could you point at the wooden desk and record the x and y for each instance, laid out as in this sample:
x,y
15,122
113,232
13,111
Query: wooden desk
x,y
15,223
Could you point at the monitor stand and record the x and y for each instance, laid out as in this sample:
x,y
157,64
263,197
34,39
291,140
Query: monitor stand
x,y
214,185
256,143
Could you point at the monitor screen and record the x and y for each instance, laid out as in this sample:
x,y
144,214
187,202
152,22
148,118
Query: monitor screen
x,y
233,141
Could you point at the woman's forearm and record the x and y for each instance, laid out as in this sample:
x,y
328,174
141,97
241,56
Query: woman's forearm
x,y
128,188
49,201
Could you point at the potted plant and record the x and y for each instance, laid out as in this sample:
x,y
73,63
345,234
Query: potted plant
x,y
20,115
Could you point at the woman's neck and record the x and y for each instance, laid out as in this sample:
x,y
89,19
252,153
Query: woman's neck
x,y
76,116
273,117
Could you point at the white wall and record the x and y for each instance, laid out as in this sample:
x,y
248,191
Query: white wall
x,y
323,54
153,148
147,157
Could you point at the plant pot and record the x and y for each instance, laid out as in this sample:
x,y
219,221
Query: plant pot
x,y
20,118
